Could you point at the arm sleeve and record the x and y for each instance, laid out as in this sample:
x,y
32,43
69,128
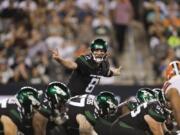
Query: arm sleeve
x,y
106,69
156,112
102,127
80,61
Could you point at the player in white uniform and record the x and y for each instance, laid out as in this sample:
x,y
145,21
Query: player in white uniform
x,y
172,88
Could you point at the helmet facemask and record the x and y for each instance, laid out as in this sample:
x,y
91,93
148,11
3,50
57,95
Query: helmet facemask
x,y
57,103
98,58
160,96
35,103
98,50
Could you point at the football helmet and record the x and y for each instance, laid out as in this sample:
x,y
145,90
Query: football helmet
x,y
159,94
57,93
132,102
99,44
172,69
105,104
145,95
28,98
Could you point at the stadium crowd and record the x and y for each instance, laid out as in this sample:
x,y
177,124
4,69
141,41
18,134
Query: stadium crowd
x,y
89,38
29,28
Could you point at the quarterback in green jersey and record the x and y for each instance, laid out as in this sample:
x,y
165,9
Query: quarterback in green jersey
x,y
88,69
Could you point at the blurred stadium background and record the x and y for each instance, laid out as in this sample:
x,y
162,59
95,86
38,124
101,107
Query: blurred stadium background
x,y
148,34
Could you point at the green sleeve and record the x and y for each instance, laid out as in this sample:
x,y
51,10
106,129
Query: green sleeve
x,y
157,113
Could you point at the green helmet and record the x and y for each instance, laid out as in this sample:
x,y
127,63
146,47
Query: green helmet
x,y
105,104
57,93
132,102
159,94
145,95
28,98
99,44
162,100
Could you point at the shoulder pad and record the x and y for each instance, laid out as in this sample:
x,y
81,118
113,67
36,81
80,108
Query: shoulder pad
x,y
87,57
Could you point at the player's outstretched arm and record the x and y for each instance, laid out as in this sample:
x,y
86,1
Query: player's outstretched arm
x,y
174,99
155,127
8,126
39,123
85,128
65,62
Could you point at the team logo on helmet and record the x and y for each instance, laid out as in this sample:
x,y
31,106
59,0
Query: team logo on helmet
x,y
145,95
58,92
99,44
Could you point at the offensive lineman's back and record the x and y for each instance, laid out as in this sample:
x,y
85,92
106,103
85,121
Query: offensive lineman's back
x,y
135,119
